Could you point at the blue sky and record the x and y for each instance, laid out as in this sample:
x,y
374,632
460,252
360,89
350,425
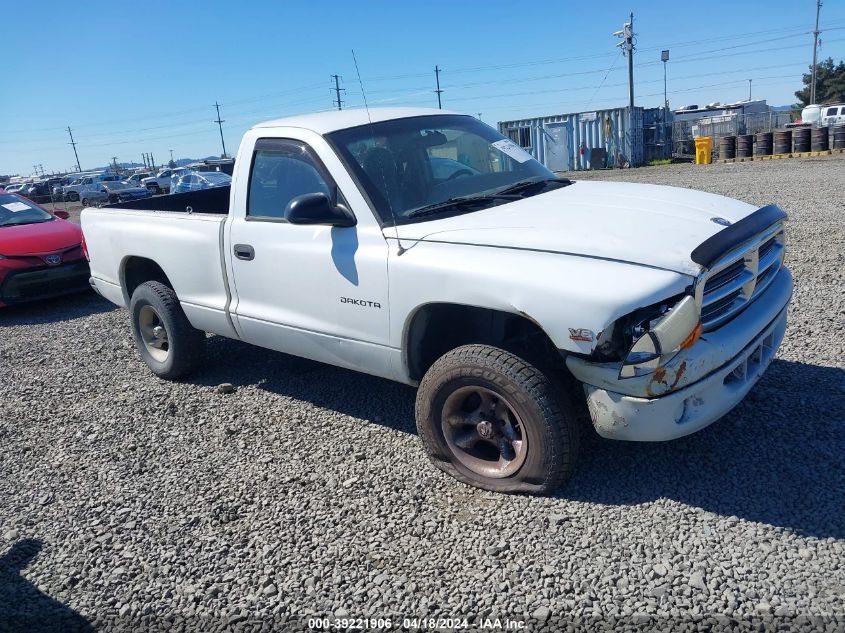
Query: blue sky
x,y
143,77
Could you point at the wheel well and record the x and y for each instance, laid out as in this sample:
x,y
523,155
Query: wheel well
x,y
137,270
439,327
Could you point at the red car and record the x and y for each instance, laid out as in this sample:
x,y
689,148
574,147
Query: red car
x,y
40,252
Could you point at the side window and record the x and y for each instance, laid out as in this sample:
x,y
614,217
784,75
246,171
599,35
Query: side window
x,y
281,171
831,112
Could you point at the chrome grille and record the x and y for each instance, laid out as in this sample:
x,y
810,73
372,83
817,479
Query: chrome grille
x,y
739,277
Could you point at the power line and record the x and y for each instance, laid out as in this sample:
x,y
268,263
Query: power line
x,y
790,33
601,83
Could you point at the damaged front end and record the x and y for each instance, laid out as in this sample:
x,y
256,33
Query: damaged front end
x,y
671,368
643,352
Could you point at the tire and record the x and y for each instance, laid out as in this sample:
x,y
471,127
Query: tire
x,y
84,202
73,196
537,416
174,350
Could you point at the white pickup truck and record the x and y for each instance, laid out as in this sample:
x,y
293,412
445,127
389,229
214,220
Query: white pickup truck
x,y
424,247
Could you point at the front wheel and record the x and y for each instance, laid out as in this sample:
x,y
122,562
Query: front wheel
x,y
492,420
170,346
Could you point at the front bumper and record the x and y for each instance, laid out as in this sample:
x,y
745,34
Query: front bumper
x,y
748,342
28,284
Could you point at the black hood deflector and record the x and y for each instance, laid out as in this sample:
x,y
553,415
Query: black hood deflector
x,y
714,247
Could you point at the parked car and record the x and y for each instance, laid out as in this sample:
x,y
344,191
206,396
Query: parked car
x,y
15,187
95,193
161,182
193,181
72,191
226,165
135,179
58,192
488,291
124,192
36,191
40,252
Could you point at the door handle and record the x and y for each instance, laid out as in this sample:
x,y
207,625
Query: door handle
x,y
244,251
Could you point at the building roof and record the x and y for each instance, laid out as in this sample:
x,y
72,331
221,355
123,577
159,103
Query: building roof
x,y
325,122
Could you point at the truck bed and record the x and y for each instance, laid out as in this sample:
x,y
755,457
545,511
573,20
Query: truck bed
x,y
214,201
184,244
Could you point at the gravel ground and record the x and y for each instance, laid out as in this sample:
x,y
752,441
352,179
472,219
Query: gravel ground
x,y
127,501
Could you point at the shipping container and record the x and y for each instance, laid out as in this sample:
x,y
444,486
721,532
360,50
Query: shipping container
x,y
583,140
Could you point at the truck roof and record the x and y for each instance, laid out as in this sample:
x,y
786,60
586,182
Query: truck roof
x,y
332,120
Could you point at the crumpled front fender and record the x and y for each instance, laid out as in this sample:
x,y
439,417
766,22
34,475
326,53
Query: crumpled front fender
x,y
710,352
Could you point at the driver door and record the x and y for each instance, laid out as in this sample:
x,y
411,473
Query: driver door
x,y
311,290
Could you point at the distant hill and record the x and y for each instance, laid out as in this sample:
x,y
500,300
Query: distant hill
x,y
785,108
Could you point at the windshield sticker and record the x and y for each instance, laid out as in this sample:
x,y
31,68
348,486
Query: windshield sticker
x,y
513,150
17,206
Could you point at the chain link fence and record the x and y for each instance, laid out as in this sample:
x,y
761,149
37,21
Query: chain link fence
x,y
716,127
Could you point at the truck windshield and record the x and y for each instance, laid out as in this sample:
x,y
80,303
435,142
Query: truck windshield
x,y
417,168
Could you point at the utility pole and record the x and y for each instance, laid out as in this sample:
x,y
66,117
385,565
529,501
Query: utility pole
x,y
630,49
749,90
338,90
114,162
152,161
627,44
171,155
220,122
815,49
664,57
73,143
438,91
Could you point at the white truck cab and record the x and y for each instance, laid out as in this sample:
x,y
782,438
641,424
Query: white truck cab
x,y
832,115
422,246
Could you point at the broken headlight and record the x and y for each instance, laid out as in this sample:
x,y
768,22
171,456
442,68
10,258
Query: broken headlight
x,y
659,336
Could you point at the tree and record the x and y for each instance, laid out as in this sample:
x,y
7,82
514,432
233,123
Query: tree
x,y
830,83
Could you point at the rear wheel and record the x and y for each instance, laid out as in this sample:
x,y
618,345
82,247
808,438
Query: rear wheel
x,y
73,196
493,420
170,346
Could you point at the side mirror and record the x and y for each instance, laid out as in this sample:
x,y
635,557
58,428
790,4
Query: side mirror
x,y
316,208
61,213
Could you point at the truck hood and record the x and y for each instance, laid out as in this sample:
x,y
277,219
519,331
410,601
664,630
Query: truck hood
x,y
649,225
